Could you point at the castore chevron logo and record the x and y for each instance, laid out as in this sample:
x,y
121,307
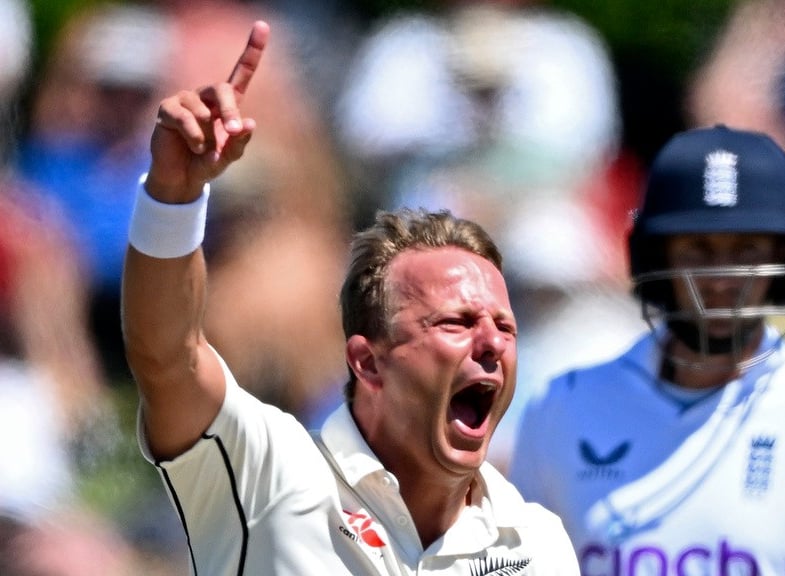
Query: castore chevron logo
x,y
602,466
590,455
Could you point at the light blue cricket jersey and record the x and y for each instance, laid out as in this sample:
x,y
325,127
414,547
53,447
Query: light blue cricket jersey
x,y
648,487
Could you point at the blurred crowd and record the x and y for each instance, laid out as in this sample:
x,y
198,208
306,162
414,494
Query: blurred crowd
x,y
506,112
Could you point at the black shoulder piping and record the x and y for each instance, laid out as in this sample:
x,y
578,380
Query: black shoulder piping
x,y
180,513
237,504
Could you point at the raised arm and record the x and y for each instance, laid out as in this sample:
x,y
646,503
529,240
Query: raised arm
x,y
197,135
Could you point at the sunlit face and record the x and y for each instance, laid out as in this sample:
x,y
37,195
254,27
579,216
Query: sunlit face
x,y
691,251
448,371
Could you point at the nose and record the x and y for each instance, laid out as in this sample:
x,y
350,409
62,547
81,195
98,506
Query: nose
x,y
489,343
723,291
721,282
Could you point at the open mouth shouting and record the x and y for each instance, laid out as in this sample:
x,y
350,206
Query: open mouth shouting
x,y
470,408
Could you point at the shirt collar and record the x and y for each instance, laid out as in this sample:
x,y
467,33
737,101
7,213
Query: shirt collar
x,y
478,525
351,453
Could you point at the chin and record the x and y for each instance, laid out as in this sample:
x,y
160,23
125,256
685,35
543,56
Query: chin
x,y
462,460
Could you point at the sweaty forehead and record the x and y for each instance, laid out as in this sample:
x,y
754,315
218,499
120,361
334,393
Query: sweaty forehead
x,y
446,271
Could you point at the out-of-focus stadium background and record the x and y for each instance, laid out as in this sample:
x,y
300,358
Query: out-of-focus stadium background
x,y
537,118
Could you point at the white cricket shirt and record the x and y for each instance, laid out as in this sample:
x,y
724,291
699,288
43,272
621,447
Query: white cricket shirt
x,y
256,496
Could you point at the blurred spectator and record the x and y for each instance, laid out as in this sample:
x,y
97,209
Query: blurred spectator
x,y
57,418
73,546
37,281
55,415
742,81
15,44
506,112
268,320
84,147
323,35
518,98
43,315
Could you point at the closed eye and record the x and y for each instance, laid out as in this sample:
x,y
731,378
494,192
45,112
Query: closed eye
x,y
465,322
455,322
507,327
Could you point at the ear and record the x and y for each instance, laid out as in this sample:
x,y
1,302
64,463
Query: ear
x,y
362,360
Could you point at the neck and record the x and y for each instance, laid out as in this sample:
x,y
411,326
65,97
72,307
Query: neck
x,y
702,377
697,370
433,504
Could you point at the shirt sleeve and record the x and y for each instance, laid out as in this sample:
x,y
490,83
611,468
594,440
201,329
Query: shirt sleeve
x,y
238,475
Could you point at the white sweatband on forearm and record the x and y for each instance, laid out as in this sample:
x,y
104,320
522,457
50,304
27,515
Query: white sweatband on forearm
x,y
164,230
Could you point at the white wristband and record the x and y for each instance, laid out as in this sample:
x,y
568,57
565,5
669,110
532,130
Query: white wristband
x,y
164,230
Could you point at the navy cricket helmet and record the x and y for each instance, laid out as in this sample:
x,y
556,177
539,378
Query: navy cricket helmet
x,y
715,179
708,180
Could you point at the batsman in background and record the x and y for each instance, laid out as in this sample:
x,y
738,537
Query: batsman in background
x,y
670,459
396,481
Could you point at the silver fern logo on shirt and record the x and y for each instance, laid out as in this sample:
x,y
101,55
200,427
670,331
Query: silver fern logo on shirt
x,y
498,566
720,179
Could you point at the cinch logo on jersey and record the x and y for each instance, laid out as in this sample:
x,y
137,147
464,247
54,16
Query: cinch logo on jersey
x,y
601,464
696,559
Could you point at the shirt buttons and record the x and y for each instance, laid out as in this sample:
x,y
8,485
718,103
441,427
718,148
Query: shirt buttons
x,y
386,482
402,520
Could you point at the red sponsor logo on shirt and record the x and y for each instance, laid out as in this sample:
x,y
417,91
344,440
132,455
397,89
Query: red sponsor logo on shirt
x,y
362,526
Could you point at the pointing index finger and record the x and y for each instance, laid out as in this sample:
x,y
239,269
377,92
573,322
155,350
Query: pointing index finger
x,y
244,70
